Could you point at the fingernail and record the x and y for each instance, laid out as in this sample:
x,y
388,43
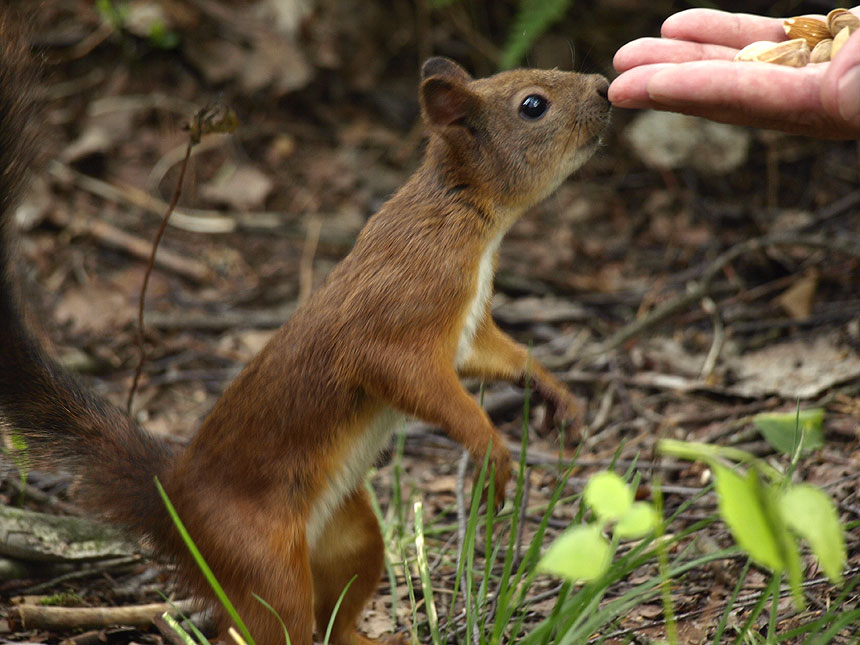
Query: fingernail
x,y
848,94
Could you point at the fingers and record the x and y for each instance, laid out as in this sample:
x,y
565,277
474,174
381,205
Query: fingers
x,y
630,90
648,51
734,30
758,87
816,100
754,94
698,34
840,89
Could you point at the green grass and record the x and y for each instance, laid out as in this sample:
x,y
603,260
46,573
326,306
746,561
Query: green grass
x,y
485,586
470,575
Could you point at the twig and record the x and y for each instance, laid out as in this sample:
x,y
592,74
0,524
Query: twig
x,y
142,299
149,101
336,238
241,319
38,495
720,414
603,409
710,363
838,207
175,156
65,618
92,637
215,118
697,291
116,238
91,570
740,603
168,631
86,45
198,221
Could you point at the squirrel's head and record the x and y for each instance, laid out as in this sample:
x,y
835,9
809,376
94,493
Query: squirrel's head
x,y
518,134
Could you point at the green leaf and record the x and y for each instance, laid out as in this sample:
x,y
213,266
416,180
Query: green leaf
x,y
742,508
640,520
811,513
784,430
579,554
608,495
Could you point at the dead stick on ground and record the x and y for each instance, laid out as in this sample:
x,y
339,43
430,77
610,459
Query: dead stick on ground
x,y
117,238
194,221
710,363
64,618
699,290
168,631
169,260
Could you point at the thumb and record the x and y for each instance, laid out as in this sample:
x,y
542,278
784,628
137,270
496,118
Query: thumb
x,y
840,89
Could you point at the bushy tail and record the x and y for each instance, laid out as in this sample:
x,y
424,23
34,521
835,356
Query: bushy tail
x,y
61,422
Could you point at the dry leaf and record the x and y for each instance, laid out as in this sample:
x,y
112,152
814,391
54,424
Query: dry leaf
x,y
276,63
797,299
245,189
94,309
797,369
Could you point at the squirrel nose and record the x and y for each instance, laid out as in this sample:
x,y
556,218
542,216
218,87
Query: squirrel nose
x,y
603,89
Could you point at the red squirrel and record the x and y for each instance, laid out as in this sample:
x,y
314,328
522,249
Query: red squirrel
x,y
270,488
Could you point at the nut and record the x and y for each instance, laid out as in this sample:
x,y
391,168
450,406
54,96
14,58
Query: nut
x,y
794,53
821,52
812,30
839,19
839,40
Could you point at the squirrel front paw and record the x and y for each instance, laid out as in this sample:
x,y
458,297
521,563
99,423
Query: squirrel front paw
x,y
499,467
563,411
502,475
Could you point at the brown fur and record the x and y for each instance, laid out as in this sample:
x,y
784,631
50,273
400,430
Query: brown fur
x,y
270,486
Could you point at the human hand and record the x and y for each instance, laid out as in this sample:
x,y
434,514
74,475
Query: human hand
x,y
690,70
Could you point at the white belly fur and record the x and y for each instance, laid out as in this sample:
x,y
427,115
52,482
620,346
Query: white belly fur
x,y
478,307
355,461
357,458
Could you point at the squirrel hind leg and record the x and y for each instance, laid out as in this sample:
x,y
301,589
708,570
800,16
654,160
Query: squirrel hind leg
x,y
349,547
257,555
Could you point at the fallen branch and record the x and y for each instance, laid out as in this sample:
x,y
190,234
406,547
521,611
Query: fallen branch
x,y
116,238
65,618
197,222
697,291
233,319
38,537
334,238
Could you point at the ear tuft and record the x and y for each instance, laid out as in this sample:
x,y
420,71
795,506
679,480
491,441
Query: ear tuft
x,y
444,102
444,67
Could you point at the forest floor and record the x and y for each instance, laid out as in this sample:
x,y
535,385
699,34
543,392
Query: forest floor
x,y
329,130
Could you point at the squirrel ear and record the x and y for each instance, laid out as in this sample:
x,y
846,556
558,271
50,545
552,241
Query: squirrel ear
x,y
444,102
445,67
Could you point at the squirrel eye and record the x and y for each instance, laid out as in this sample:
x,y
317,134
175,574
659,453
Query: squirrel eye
x,y
533,107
